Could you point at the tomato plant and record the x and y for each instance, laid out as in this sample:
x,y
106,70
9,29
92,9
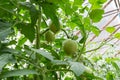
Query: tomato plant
x,y
32,33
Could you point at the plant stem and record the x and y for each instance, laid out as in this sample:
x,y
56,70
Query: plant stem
x,y
81,51
65,33
36,77
44,31
101,45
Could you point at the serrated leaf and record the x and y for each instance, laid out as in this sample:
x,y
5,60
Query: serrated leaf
x,y
117,35
43,53
17,73
110,29
77,68
96,15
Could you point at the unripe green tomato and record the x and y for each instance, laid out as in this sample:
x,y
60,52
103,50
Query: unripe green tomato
x,y
54,29
70,46
49,36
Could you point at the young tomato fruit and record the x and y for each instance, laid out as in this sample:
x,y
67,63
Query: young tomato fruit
x,y
70,46
54,28
49,36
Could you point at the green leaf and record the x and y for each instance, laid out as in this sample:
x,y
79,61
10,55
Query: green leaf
x,y
68,78
96,15
6,9
95,30
17,73
77,20
87,23
32,10
109,60
4,59
110,76
33,15
25,5
43,53
59,62
5,30
82,40
5,33
90,76
67,9
78,2
116,66
117,35
27,30
110,29
50,12
96,58
97,3
53,1
22,40
8,50
77,68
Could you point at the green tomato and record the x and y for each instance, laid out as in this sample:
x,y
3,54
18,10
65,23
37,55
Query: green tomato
x,y
49,36
54,29
70,46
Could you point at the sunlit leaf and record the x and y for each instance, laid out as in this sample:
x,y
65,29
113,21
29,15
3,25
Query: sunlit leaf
x,y
97,3
117,35
78,2
110,29
22,40
95,30
96,15
77,68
